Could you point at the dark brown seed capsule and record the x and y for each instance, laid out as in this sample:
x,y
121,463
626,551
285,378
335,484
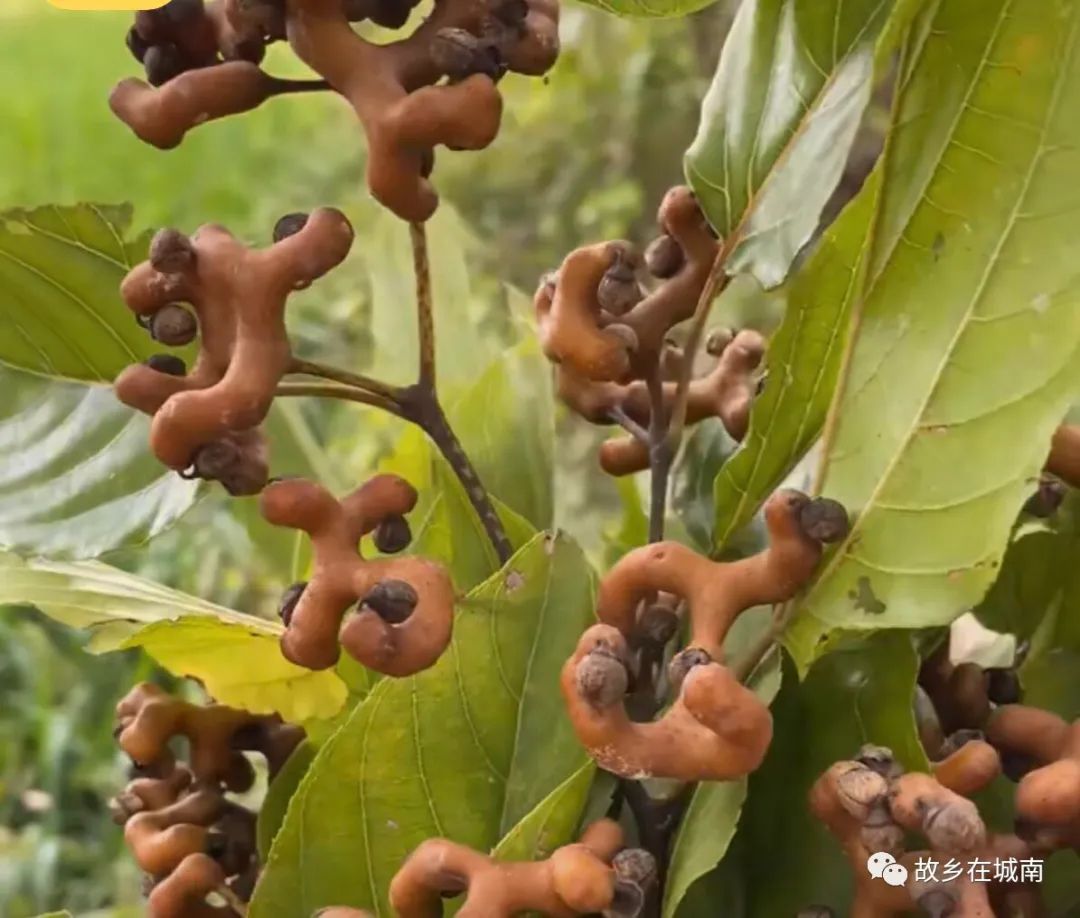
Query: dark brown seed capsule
x,y
619,291
392,600
511,13
167,363
718,340
1014,765
1047,498
137,45
1003,686
601,678
880,759
460,54
937,904
216,459
957,740
393,535
824,520
683,662
391,14
162,63
182,11
289,600
171,251
627,901
657,624
626,334
173,325
289,225
664,257
637,866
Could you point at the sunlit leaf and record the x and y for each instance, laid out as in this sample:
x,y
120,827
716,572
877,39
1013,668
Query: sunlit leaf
x,y
552,822
236,656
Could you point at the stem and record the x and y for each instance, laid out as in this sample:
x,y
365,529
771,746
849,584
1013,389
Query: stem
x,y
627,423
321,390
714,286
232,899
421,406
280,86
657,821
424,313
661,456
356,380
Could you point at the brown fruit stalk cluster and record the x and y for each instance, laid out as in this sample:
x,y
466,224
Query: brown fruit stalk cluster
x,y
607,332
435,87
404,607
716,729
596,875
1048,792
871,805
206,420
185,834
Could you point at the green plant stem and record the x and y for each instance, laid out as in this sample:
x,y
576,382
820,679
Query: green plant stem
x,y
347,393
425,314
356,380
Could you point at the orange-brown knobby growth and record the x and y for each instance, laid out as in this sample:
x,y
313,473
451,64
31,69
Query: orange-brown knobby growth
x,y
578,879
395,90
726,391
183,893
148,718
717,729
404,606
239,296
606,337
1048,796
201,64
1064,459
869,811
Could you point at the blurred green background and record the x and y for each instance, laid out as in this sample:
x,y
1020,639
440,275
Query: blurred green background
x,y
583,155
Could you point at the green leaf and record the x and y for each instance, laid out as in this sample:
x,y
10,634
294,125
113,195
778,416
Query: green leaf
x,y
465,750
970,327
707,451
77,479
60,309
236,656
794,80
552,822
279,793
506,423
707,830
802,364
649,9
859,695
710,821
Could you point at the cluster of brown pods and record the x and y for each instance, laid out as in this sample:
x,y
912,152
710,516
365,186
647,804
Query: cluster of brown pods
x,y
607,333
973,730
596,875
189,839
716,728
437,86
206,421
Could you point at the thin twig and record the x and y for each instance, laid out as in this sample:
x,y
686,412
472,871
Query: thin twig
x,y
714,286
421,406
424,311
232,900
627,423
661,456
280,85
347,393
356,380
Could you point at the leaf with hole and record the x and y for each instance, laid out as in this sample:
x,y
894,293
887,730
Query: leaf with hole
x,y
969,327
